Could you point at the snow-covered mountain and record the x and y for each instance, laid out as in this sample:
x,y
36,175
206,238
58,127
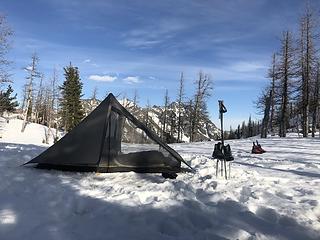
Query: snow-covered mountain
x,y
153,117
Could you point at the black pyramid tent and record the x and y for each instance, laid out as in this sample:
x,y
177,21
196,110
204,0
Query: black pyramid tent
x,y
95,145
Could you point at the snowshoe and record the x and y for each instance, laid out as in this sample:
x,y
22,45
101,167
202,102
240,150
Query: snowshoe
x,y
217,152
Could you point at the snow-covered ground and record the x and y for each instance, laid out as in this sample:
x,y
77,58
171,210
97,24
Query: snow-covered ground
x,y
271,196
33,133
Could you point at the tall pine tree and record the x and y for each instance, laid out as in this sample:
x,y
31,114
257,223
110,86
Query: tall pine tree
x,y
7,102
71,108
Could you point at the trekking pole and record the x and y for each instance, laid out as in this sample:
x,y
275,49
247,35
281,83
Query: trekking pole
x,y
222,110
217,166
225,169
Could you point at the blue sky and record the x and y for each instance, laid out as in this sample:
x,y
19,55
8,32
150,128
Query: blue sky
x,y
120,46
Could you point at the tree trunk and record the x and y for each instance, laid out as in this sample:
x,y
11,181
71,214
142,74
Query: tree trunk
x,y
265,121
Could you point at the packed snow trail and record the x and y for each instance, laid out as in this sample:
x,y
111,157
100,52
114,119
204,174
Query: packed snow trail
x,y
271,196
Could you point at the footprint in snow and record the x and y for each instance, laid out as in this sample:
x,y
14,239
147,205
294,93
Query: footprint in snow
x,y
204,196
311,202
206,177
283,196
246,193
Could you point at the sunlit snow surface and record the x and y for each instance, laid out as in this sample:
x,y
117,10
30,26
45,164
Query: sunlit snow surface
x,y
271,196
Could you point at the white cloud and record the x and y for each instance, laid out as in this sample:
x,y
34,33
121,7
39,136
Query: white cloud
x,y
247,67
132,80
102,78
87,61
152,35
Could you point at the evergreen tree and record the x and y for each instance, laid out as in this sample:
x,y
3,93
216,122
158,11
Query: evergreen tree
x,y
250,128
232,134
238,132
71,107
7,102
244,130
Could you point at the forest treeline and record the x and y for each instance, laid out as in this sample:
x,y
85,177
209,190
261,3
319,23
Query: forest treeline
x,y
291,99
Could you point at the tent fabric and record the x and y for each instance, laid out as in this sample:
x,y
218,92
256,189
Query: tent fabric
x,y
95,145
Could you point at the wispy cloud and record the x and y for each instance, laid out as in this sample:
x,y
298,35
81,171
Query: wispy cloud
x,y
132,80
90,62
102,78
141,43
233,87
247,67
150,35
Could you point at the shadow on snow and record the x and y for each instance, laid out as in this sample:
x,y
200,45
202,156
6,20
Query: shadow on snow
x,y
301,173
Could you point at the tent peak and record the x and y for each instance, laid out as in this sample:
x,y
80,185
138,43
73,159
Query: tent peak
x,y
110,95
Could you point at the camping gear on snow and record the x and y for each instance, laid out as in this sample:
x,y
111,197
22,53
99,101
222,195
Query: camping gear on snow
x,y
227,153
221,152
257,149
98,144
217,151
